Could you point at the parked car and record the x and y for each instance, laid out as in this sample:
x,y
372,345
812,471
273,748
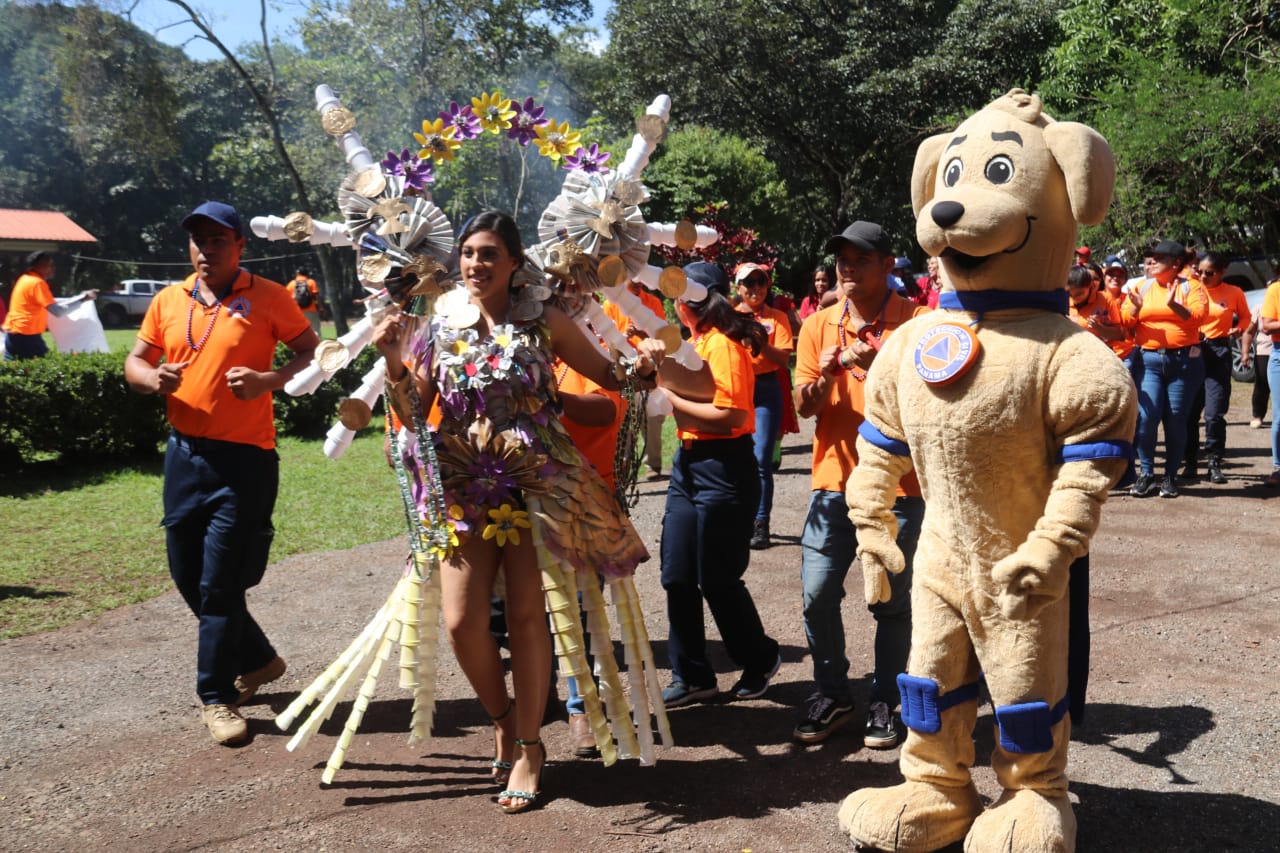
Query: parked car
x,y
128,302
1239,373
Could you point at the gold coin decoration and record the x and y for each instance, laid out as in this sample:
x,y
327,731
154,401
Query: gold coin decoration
x,y
612,272
652,128
670,337
628,192
338,121
298,227
354,414
375,268
331,356
611,214
537,292
673,283
369,183
686,235
523,312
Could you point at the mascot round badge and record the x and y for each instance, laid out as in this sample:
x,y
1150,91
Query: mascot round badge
x,y
1017,423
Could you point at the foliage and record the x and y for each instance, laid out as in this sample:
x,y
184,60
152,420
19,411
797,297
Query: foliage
x,y
1188,94
837,96
77,406
737,245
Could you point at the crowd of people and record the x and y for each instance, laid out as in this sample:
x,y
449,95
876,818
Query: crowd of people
x,y
207,344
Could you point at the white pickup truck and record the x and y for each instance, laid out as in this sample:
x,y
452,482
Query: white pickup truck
x,y
129,301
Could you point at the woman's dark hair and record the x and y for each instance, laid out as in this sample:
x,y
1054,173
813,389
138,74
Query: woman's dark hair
x,y
35,259
499,223
1078,276
1217,260
716,312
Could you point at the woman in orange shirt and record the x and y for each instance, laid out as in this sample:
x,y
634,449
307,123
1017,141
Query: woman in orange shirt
x,y
1165,314
771,367
1269,324
712,496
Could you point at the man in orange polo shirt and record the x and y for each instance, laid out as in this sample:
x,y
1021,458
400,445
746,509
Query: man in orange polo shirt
x,y
30,305
217,336
307,294
835,349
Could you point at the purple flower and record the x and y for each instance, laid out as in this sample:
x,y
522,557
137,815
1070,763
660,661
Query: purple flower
x,y
462,119
416,173
489,484
590,160
528,116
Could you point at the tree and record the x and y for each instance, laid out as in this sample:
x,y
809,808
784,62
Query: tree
x,y
837,95
1188,94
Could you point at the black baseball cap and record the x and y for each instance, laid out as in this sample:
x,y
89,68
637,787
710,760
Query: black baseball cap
x,y
867,236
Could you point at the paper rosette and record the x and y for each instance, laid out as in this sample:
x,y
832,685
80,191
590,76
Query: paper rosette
x,y
601,214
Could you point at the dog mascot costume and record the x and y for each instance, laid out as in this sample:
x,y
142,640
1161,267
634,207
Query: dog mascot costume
x,y
1017,423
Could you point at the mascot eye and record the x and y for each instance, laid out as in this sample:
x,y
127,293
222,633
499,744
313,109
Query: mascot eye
x,y
999,170
955,168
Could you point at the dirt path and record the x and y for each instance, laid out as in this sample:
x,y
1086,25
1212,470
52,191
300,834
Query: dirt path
x,y
102,747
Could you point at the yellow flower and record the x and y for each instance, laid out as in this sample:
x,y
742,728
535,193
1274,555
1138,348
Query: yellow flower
x,y
437,140
557,140
494,112
506,524
460,347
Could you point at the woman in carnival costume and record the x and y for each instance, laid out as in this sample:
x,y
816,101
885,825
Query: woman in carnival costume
x,y
512,479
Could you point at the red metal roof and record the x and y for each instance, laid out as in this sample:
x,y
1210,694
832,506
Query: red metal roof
x,y
43,225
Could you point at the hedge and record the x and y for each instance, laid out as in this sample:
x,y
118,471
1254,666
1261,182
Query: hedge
x,y
78,407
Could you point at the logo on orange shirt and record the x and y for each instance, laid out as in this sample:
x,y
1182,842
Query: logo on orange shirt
x,y
239,307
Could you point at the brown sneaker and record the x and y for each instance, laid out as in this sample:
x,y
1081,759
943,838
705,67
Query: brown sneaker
x,y
225,724
580,736
249,683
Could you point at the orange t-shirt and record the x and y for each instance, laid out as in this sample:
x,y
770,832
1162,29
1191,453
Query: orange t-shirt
x,y
730,364
778,326
1228,309
835,434
1102,306
28,306
248,323
315,293
1271,307
1155,325
623,322
597,443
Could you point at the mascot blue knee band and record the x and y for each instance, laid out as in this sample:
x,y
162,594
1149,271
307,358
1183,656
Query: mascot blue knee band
x,y
1028,727
922,706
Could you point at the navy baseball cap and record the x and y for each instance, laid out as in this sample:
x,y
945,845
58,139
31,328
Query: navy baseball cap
x,y
702,278
218,212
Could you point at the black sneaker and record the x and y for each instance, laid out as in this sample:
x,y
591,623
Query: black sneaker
x,y
678,693
1167,487
823,717
760,535
752,685
1143,486
884,730
1215,473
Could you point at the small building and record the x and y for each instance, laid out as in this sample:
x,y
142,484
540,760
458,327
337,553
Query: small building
x,y
25,231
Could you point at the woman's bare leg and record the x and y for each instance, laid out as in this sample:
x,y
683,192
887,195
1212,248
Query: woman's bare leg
x,y
530,643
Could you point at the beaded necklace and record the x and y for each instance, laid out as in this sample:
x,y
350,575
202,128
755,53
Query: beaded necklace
x,y
877,330
191,311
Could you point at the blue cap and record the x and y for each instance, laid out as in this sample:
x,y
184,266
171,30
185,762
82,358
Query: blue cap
x,y
902,264
702,278
218,212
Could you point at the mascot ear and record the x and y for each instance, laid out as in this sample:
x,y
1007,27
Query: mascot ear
x,y
1089,166
925,170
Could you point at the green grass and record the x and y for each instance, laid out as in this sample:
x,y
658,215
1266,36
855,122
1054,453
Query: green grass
x,y
80,542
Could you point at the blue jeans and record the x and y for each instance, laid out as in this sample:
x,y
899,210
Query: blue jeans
x,y
1212,401
829,544
18,347
218,499
1167,386
768,400
1273,376
706,537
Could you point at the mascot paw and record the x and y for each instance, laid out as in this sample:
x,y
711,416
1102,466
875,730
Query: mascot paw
x,y
875,581
1026,587
909,818
1027,821
880,556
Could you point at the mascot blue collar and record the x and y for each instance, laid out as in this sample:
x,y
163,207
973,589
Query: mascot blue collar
x,y
982,301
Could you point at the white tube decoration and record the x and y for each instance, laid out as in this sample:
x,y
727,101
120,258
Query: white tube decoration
x,y
638,154
324,233
353,148
664,234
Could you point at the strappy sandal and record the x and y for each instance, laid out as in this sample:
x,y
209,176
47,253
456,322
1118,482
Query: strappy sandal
x,y
501,769
518,801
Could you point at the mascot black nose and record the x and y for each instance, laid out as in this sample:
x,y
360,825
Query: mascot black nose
x,y
947,213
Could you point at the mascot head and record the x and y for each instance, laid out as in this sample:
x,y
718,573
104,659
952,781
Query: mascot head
x,y
998,198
